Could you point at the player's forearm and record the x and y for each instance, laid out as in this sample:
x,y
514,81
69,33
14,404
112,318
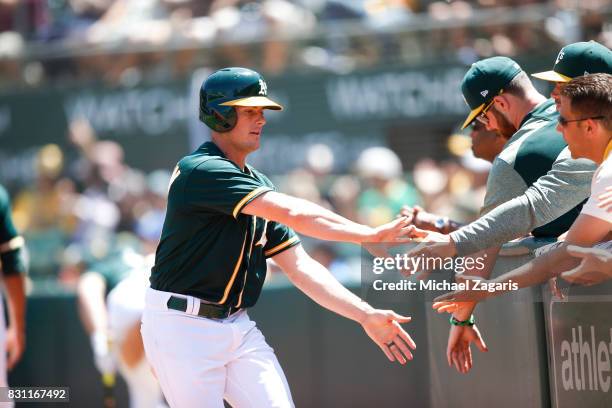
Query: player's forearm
x,y
540,269
318,283
508,221
551,196
321,227
488,257
16,301
308,218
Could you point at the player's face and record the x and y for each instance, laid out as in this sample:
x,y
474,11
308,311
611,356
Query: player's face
x,y
499,123
485,144
556,95
247,132
573,132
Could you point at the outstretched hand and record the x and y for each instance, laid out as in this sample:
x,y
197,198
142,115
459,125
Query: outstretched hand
x,y
383,327
386,236
396,231
592,269
432,245
458,350
465,295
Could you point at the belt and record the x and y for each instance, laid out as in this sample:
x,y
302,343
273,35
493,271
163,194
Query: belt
x,y
206,309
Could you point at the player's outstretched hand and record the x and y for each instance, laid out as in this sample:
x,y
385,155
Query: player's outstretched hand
x,y
15,345
592,269
458,349
383,327
605,200
454,307
466,295
387,236
432,245
420,218
395,231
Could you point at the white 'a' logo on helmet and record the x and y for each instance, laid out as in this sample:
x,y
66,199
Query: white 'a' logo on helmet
x,y
263,87
485,93
560,56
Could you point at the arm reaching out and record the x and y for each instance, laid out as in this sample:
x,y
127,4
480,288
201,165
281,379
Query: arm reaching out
x,y
382,326
315,221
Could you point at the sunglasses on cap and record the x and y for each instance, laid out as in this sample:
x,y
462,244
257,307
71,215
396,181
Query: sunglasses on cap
x,y
482,116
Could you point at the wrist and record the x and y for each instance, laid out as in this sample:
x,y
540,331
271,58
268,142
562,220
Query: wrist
x,y
365,311
442,224
464,312
367,234
467,322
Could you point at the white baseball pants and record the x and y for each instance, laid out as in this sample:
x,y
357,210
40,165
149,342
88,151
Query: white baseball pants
x,y
199,361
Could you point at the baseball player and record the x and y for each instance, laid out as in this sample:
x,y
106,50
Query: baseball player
x,y
486,145
12,339
586,124
572,61
575,60
111,299
223,220
534,185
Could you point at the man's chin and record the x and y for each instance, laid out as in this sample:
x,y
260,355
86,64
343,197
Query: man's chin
x,y
576,154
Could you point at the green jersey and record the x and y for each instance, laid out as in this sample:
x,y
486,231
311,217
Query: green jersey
x,y
208,248
10,241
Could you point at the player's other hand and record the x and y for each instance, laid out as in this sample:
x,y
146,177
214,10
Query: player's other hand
x,y
458,349
15,345
103,359
383,327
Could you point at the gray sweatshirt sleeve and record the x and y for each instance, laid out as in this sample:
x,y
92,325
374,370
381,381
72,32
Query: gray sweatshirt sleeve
x,y
566,185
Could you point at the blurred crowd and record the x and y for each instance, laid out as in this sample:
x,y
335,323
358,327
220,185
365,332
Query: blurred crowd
x,y
88,209
71,39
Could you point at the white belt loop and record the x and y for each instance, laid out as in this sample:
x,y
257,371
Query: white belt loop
x,y
196,306
190,302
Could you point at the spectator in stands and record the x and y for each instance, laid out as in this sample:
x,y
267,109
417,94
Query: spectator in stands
x,y
385,189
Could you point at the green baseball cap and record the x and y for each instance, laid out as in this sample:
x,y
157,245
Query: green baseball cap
x,y
578,59
484,81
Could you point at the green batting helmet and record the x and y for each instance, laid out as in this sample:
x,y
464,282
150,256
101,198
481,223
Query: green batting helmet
x,y
230,87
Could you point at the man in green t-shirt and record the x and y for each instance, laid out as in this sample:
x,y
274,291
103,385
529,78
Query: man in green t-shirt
x,y
223,220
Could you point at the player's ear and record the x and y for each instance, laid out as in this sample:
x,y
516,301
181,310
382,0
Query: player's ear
x,y
592,126
502,103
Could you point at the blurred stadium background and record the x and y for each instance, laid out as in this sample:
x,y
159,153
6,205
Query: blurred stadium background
x,y
98,101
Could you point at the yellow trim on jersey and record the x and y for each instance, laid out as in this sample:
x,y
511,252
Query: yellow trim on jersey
x,y
280,247
236,268
608,150
11,245
250,252
248,197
